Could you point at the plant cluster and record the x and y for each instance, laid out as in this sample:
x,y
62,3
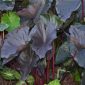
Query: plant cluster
x,y
28,34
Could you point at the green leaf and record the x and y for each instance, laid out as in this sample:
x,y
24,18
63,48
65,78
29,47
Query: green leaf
x,y
21,83
9,74
3,27
56,20
68,62
16,74
55,82
30,80
53,18
77,76
11,19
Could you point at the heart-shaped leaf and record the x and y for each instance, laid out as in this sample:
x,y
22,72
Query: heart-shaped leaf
x,y
42,43
15,41
64,8
77,35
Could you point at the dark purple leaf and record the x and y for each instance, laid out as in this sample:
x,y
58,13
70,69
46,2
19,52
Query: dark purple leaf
x,y
42,38
15,41
80,57
64,8
77,37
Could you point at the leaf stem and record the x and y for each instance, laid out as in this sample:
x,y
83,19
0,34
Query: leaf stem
x,y
48,68
82,9
53,62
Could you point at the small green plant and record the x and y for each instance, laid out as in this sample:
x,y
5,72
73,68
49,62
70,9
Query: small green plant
x,y
10,19
9,74
54,82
